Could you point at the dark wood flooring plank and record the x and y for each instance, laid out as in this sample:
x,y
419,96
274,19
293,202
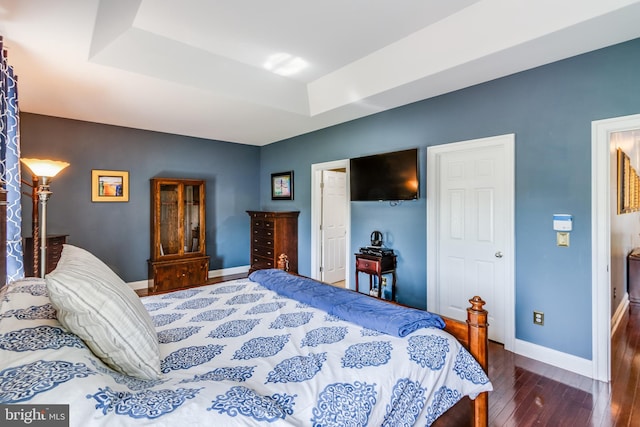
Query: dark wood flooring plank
x,y
531,393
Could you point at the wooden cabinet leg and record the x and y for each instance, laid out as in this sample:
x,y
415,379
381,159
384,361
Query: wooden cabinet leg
x,y
393,286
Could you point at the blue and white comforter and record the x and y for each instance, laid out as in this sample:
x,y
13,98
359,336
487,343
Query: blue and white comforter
x,y
235,353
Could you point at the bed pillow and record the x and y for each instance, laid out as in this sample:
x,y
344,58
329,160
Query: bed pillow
x,y
96,305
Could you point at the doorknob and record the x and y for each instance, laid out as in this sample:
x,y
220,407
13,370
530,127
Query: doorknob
x,y
498,254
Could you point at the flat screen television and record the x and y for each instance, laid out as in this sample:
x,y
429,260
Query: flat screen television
x,y
386,176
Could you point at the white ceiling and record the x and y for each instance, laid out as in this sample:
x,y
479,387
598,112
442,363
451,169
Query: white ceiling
x,y
199,67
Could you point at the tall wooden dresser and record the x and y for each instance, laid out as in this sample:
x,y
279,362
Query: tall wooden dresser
x,y
272,234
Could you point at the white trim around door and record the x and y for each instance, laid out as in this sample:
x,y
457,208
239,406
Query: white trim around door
x,y
316,211
601,131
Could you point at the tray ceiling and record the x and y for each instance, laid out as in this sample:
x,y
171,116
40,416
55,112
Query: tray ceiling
x,y
256,72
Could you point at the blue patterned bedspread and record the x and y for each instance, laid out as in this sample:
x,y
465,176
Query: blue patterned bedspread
x,y
235,353
348,305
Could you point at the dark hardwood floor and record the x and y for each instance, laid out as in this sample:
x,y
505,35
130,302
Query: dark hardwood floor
x,y
531,393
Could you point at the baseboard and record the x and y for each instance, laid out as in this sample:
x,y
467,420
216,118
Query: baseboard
x,y
140,284
144,284
228,271
555,358
620,313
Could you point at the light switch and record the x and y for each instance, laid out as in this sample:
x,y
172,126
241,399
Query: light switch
x,y
562,238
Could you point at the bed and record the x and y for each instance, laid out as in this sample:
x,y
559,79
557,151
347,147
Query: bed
x,y
268,349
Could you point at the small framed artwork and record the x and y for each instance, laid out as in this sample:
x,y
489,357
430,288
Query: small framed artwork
x,y
628,185
109,186
282,186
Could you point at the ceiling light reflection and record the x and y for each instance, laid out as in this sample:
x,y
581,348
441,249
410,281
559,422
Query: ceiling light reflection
x,y
285,64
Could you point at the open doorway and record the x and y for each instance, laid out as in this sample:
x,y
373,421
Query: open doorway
x,y
330,222
607,135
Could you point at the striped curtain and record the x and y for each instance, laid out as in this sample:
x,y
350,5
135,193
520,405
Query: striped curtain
x,y
10,165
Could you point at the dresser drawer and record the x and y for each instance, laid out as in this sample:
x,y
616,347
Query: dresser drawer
x,y
263,232
54,243
263,251
263,223
263,241
367,265
258,262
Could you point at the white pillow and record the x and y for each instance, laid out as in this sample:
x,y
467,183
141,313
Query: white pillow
x,y
95,304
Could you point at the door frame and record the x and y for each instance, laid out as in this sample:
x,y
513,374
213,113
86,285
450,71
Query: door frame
x,y
316,217
507,142
601,131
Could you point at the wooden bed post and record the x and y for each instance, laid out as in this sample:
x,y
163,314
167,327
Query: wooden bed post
x,y
35,227
478,347
3,236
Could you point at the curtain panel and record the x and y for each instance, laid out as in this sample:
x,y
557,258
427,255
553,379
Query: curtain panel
x,y
10,165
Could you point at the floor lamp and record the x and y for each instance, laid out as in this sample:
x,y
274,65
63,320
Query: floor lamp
x,y
44,170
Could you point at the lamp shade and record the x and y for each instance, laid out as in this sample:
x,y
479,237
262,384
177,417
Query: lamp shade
x,y
44,167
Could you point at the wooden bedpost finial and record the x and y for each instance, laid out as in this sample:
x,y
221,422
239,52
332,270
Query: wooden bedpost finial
x,y
476,314
478,333
477,304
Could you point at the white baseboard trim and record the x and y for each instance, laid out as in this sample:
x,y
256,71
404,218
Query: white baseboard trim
x,y
140,284
555,358
619,314
229,271
143,284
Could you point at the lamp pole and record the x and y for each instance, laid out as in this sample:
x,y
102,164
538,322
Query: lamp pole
x,y
44,192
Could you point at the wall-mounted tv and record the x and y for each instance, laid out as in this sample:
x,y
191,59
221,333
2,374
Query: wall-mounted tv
x,y
385,176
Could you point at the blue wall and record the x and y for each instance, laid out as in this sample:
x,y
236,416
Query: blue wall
x,y
119,233
550,109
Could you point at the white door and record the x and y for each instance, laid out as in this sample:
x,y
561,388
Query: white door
x,y
473,214
333,225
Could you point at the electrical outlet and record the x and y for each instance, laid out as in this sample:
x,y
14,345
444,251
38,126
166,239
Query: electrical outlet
x,y
538,318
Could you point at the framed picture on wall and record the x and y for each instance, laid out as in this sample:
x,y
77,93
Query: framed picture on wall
x,y
282,186
628,185
109,186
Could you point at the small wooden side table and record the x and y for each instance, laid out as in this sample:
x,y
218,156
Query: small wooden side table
x,y
374,265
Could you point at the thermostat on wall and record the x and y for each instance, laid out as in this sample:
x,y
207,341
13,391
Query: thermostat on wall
x,y
562,222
